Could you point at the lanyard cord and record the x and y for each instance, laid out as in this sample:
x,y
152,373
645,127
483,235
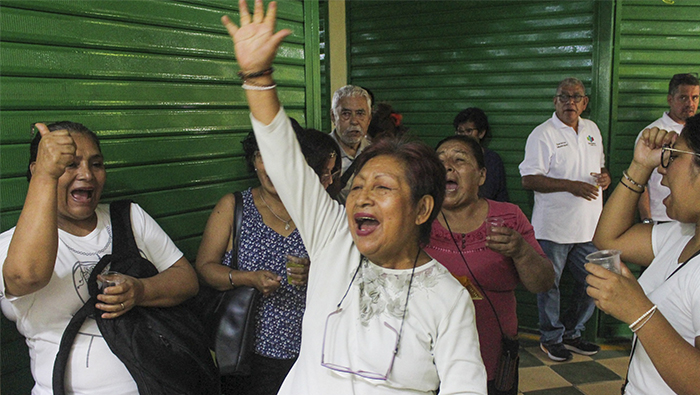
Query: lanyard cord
x,y
500,328
405,306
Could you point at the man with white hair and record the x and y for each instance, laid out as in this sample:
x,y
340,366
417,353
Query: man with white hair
x,y
351,112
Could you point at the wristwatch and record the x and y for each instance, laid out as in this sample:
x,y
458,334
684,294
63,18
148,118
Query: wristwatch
x,y
648,221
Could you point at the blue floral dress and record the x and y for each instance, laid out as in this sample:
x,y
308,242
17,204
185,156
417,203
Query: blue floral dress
x,y
278,324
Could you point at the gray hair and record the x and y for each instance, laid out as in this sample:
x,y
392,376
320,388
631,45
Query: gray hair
x,y
571,81
349,91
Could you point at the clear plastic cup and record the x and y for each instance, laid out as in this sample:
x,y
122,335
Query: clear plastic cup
x,y
609,259
493,222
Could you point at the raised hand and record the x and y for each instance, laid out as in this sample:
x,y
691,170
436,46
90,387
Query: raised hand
x,y
56,152
255,41
647,152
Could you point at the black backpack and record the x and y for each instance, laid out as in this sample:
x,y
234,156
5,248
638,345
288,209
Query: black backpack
x,y
164,349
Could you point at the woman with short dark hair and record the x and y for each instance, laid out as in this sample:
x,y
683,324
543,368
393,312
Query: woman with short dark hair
x,y
474,123
62,233
382,316
268,239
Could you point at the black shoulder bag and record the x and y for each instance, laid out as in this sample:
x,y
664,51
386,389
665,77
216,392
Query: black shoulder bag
x,y
162,348
229,316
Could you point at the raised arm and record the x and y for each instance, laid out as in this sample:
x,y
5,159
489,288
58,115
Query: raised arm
x,y
31,255
616,228
256,44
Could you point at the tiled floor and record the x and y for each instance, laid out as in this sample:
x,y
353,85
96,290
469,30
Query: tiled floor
x,y
600,374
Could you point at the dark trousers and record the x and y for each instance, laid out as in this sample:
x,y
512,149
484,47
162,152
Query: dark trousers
x,y
267,375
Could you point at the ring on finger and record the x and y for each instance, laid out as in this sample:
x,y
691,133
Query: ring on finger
x,y
122,305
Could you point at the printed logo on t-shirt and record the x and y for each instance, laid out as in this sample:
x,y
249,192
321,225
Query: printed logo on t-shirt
x,y
591,140
81,274
562,144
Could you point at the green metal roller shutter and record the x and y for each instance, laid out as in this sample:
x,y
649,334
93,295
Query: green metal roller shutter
x,y
156,80
432,59
654,40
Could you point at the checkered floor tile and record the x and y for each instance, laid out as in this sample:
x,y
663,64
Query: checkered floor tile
x,y
600,374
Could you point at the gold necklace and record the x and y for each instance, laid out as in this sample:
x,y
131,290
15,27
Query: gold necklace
x,y
286,223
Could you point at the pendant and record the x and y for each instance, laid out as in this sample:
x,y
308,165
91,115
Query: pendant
x,y
286,227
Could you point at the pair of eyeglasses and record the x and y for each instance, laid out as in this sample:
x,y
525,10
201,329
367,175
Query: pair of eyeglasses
x,y
368,374
466,131
329,176
566,98
667,158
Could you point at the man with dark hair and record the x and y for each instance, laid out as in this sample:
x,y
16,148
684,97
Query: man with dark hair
x,y
564,164
351,113
683,96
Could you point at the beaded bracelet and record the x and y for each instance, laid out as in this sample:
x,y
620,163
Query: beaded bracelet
x,y
243,76
630,188
230,278
641,321
635,183
250,87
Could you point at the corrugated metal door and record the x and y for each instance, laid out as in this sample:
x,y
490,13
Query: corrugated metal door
x,y
156,80
432,59
653,41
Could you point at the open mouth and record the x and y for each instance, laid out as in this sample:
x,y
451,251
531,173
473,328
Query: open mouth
x,y
82,195
366,224
450,186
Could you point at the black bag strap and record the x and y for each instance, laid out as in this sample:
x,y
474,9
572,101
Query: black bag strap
x,y
120,214
346,176
69,334
124,244
237,223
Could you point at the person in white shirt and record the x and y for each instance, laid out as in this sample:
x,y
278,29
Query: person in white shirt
x,y
683,96
663,307
62,233
382,316
564,164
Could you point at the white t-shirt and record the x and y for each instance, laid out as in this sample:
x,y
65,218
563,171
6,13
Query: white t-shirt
x,y
439,345
678,298
42,316
555,150
658,192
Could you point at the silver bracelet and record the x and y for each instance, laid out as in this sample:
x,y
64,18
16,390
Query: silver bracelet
x,y
230,279
249,87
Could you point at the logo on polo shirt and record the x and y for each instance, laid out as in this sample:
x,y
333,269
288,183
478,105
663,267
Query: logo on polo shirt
x,y
591,140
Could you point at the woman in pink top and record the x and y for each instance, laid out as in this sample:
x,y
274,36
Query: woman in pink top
x,y
492,262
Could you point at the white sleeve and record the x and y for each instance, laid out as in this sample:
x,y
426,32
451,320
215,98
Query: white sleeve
x,y
153,242
318,217
537,155
457,356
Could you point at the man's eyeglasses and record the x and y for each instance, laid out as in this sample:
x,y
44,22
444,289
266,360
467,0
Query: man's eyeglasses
x,y
360,372
566,98
667,158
